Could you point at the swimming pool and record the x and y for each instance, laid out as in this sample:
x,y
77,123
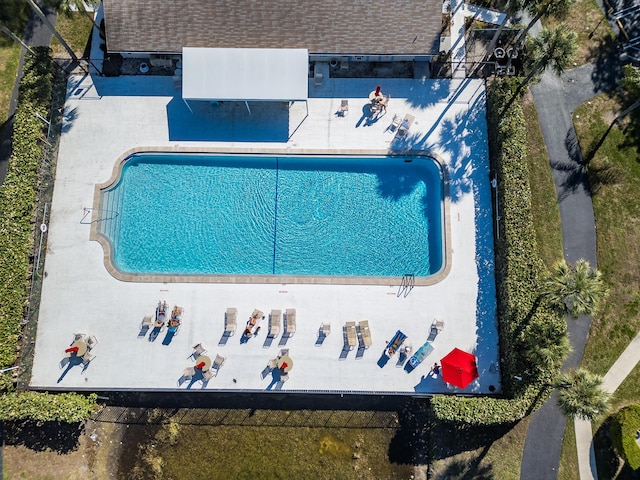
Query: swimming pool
x,y
266,215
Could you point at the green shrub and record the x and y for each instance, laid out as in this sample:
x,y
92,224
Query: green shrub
x,y
17,200
625,425
45,407
18,197
533,338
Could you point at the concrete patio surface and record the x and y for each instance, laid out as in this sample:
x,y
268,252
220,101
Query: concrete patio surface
x,y
106,117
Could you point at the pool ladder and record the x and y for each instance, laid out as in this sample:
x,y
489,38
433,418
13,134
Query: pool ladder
x,y
407,284
88,211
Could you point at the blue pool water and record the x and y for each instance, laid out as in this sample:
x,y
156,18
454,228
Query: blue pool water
x,y
305,215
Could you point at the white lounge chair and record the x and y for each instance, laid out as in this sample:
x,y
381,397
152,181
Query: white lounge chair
x,y
365,333
274,323
198,350
217,365
406,123
92,342
290,322
344,107
352,336
230,321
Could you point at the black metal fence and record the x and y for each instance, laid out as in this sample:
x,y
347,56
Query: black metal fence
x,y
249,417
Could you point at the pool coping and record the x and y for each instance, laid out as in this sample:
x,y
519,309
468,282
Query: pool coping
x,y
269,279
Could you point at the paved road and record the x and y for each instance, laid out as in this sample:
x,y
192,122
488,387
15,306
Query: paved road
x,y
555,99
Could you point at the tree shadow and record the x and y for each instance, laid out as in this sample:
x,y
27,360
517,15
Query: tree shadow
x,y
410,444
464,470
60,437
452,439
607,71
607,461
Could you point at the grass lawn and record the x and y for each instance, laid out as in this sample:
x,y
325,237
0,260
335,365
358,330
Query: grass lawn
x,y
75,30
9,57
479,452
265,452
544,199
569,459
594,33
614,172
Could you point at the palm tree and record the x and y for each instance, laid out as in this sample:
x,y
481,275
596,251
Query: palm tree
x,y
576,290
554,48
543,9
580,394
68,7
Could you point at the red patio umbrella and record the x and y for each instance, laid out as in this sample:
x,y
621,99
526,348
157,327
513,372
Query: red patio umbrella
x,y
459,368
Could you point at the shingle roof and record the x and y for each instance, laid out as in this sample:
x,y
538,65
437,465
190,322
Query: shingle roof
x,y
356,27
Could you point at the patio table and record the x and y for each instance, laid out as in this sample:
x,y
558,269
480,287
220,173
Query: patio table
x,y
206,360
285,360
82,347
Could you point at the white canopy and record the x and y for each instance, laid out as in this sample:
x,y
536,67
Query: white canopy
x,y
248,74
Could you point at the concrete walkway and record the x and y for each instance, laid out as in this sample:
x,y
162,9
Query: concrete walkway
x,y
610,383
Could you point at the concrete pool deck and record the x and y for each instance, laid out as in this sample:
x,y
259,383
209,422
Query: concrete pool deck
x,y
106,117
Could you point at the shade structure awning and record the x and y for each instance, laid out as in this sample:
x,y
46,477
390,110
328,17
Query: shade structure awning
x,y
459,368
245,74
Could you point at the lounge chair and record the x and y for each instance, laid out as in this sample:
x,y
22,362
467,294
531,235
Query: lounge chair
x,y
198,350
325,329
290,322
92,342
147,321
406,123
352,336
274,323
189,372
437,324
208,375
283,352
436,327
217,365
78,336
273,363
365,333
230,321
86,359
344,107
396,342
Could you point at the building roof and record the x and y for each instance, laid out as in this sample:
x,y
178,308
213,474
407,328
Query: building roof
x,y
347,27
229,74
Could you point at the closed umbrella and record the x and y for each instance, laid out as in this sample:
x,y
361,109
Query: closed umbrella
x,y
459,368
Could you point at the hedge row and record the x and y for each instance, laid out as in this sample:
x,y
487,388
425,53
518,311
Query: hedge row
x,y
18,197
17,200
624,428
45,407
531,334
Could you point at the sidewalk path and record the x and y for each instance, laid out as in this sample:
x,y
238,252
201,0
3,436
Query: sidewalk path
x,y
610,383
555,99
